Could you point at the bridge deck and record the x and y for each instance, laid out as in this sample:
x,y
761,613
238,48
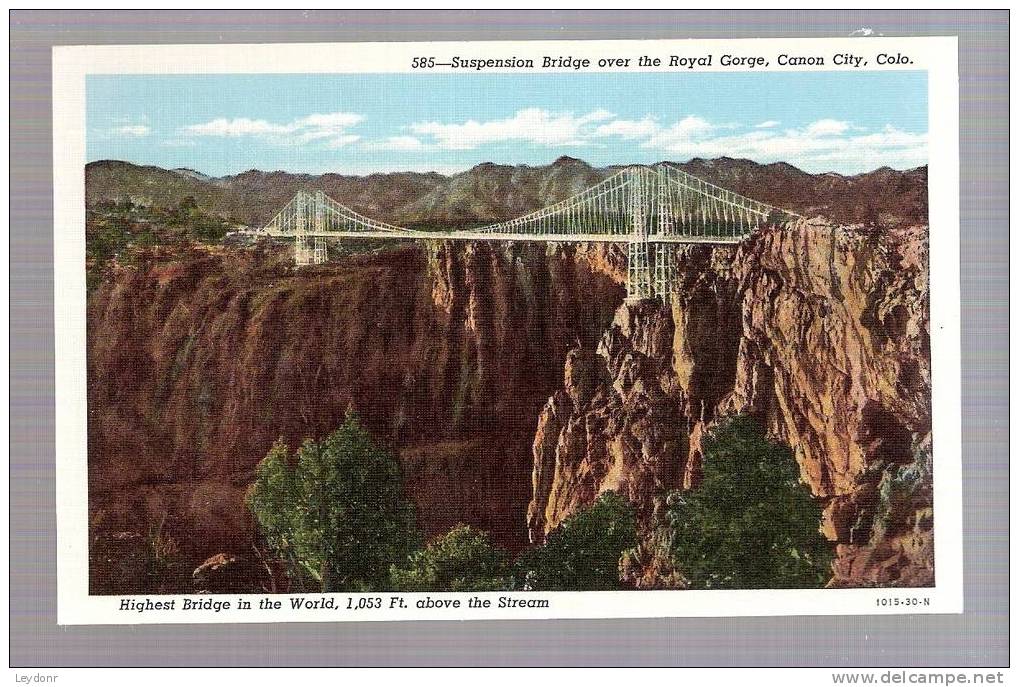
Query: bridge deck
x,y
483,236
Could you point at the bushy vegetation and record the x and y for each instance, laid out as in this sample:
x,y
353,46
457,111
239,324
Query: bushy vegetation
x,y
463,560
335,516
750,524
115,229
583,552
335,512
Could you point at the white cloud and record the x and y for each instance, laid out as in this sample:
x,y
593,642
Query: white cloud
x,y
530,125
823,145
406,144
628,129
241,126
133,130
827,127
329,128
333,120
683,132
341,141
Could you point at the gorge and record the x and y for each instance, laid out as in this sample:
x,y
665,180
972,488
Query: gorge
x,y
516,385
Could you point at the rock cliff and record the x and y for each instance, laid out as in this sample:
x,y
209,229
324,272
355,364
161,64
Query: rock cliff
x,y
199,361
819,332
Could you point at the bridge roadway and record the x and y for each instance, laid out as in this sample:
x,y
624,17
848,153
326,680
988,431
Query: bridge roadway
x,y
467,235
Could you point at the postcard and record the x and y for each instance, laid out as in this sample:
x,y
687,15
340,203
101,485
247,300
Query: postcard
x,y
490,330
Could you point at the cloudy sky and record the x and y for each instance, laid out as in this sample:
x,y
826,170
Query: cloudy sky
x,y
847,122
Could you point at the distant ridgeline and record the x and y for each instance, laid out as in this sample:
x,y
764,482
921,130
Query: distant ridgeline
x,y
489,193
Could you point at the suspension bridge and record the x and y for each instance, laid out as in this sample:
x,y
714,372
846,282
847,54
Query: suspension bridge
x,y
648,208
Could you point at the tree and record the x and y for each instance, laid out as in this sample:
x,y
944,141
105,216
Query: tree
x,y
208,228
462,560
335,512
750,524
583,552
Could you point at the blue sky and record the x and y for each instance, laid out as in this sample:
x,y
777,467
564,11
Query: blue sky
x,y
847,122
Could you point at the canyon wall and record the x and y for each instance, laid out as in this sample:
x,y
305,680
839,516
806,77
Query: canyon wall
x,y
819,332
514,383
199,362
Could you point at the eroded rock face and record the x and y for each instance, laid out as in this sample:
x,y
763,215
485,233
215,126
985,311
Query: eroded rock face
x,y
616,425
819,332
198,362
843,324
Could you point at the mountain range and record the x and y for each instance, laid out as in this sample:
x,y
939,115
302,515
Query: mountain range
x,y
491,192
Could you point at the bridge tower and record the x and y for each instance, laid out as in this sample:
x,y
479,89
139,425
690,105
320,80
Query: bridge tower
x,y
302,242
320,253
309,217
638,277
663,270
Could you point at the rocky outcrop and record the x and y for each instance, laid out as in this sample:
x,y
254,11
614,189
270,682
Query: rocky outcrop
x,y
819,332
617,425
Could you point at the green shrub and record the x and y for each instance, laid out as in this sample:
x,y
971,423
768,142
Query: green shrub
x,y
208,228
336,513
463,560
583,553
750,524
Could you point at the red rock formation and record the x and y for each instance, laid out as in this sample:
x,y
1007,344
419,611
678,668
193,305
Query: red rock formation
x,y
616,426
197,363
819,332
